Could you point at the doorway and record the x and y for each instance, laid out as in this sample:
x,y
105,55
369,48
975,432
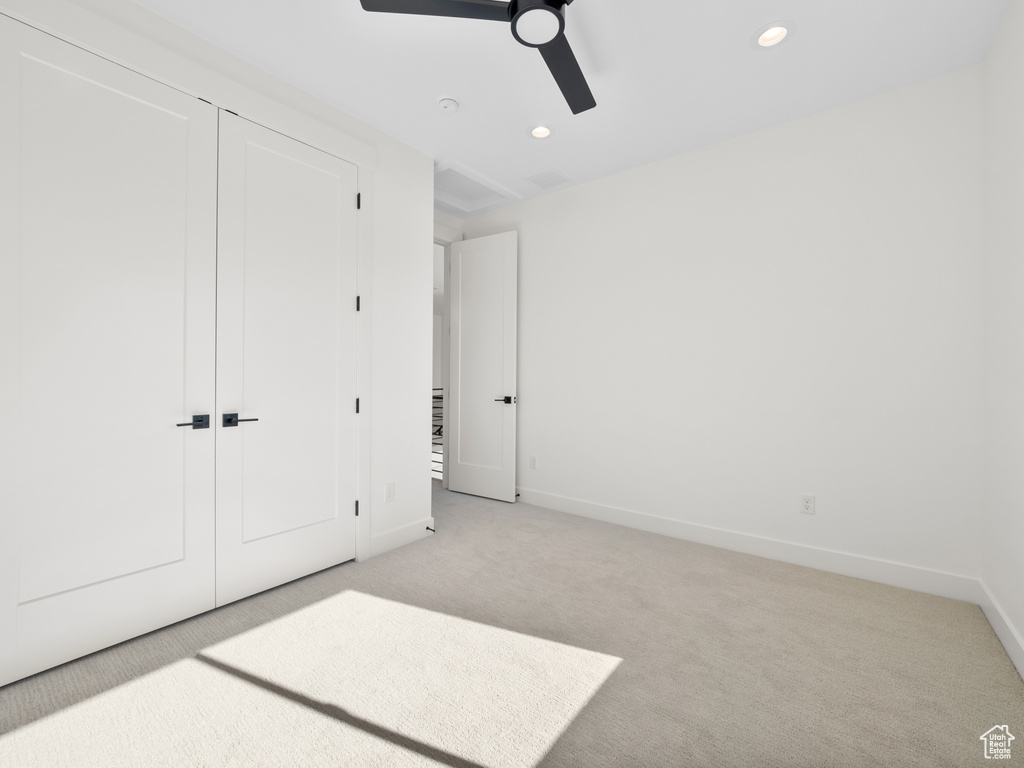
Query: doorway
x,y
474,397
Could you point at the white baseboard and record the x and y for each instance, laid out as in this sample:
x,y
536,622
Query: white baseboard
x,y
926,580
399,537
894,574
1004,629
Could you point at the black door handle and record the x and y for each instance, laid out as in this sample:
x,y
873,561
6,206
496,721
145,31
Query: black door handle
x,y
507,399
198,422
232,420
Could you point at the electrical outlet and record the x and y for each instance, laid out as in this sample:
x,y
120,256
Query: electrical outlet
x,y
389,492
533,462
807,504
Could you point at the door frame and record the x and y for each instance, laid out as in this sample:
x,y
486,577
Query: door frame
x,y
445,347
364,357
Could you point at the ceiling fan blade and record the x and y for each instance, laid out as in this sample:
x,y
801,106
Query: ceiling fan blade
x,y
490,10
563,65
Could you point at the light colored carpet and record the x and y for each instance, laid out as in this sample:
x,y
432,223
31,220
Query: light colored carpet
x,y
351,680
497,642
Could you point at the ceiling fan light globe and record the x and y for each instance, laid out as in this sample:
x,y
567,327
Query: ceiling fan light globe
x,y
537,23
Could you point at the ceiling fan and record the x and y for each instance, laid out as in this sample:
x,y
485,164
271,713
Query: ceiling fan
x,y
536,24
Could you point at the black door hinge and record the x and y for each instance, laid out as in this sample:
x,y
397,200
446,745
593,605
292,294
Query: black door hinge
x,y
359,200
357,405
357,304
357,507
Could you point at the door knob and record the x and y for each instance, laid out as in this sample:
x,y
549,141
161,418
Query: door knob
x,y
232,420
198,422
507,399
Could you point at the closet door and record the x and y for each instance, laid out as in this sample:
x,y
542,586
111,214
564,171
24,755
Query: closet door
x,y
286,355
107,312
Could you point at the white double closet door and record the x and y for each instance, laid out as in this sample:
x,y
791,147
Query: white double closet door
x,y
286,352
161,260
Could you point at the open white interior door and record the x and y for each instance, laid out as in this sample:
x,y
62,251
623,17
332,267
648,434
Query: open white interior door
x,y
482,382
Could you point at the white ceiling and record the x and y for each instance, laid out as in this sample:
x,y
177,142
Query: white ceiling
x,y
668,75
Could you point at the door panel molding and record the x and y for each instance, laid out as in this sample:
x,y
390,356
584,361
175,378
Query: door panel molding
x,y
107,310
287,355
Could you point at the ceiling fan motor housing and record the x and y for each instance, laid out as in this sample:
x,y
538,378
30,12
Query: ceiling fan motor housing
x,y
536,23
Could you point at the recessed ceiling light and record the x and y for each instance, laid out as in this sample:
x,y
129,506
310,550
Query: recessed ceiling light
x,y
541,132
772,34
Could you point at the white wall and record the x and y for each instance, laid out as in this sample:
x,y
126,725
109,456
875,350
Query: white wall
x,y
394,237
402,341
1002,534
704,339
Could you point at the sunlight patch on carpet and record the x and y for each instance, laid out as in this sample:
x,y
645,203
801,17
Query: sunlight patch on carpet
x,y
351,680
188,714
491,696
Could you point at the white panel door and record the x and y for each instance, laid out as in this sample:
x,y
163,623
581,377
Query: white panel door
x,y
107,309
482,381
286,482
